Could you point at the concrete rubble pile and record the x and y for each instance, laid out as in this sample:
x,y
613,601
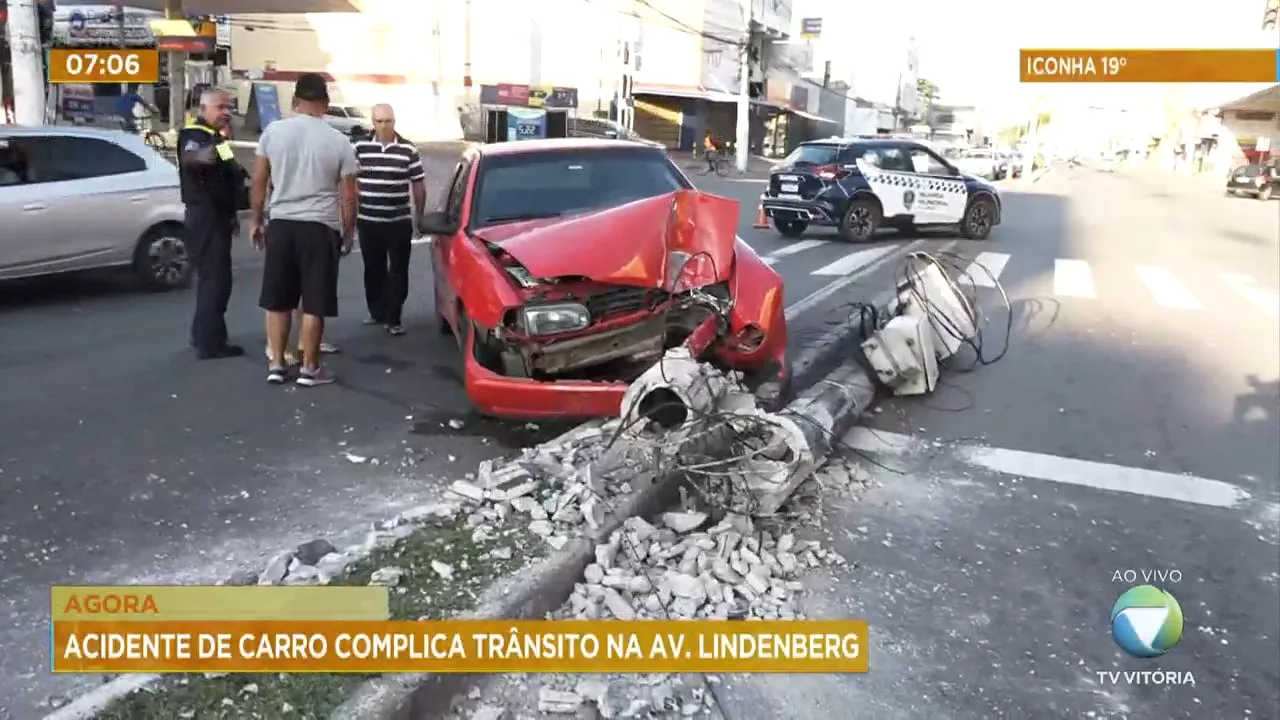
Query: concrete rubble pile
x,y
318,562
679,570
566,488
509,697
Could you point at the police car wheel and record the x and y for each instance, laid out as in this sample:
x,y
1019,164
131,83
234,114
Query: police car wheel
x,y
790,228
978,219
1265,192
860,220
161,260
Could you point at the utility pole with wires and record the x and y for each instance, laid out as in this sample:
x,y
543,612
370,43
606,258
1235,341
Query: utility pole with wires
x,y
743,135
26,62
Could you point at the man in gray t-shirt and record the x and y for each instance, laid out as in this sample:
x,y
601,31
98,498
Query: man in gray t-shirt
x,y
312,171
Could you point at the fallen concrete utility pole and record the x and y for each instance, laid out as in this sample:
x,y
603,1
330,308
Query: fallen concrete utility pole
x,y
809,427
801,436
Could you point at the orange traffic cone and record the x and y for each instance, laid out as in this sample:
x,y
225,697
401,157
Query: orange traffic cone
x,y
762,220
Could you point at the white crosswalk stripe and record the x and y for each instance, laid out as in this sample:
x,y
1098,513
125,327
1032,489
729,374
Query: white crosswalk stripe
x,y
853,261
1167,288
985,269
1183,288
792,249
1246,287
1072,278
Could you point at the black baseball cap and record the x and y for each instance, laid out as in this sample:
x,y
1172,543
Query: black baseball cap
x,y
311,87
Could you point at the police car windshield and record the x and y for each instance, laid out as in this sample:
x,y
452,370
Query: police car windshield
x,y
550,184
813,155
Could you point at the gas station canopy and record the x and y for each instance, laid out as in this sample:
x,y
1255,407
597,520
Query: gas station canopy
x,y
242,7
1265,100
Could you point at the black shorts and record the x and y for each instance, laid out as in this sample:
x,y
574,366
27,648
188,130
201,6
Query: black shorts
x,y
301,265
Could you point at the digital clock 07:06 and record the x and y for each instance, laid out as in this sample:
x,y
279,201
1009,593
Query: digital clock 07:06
x,y
104,65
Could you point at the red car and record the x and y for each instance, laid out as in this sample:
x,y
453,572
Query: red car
x,y
565,268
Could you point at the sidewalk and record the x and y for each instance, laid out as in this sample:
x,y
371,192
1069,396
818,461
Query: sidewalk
x,y
757,167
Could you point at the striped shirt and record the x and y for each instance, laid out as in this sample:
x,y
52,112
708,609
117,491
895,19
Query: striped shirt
x,y
386,172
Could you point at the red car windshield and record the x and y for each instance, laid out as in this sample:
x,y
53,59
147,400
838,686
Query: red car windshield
x,y
529,185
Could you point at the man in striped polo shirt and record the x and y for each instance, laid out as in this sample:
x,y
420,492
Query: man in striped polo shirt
x,y
391,186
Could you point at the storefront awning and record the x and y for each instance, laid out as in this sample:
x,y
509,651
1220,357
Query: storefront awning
x,y
811,116
182,36
1265,100
708,95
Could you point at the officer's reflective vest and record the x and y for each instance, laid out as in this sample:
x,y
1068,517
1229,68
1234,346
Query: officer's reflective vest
x,y
197,125
241,191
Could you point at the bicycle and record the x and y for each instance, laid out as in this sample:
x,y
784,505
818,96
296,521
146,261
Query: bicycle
x,y
719,164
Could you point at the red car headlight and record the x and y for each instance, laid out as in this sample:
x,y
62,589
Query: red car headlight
x,y
553,319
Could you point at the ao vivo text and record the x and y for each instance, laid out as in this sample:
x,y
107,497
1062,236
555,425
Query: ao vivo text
x,y
1148,577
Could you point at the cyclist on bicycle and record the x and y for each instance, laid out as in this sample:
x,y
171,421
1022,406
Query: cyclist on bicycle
x,y
711,149
132,109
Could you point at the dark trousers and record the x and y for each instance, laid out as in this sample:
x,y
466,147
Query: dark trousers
x,y
385,248
210,235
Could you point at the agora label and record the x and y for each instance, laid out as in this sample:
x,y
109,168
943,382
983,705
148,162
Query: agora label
x,y
111,604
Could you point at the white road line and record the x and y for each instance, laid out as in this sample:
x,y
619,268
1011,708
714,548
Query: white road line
x,y
791,249
803,305
1072,278
1244,285
853,261
1167,288
985,269
1067,471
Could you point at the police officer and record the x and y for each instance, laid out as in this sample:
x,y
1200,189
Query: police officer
x,y
214,190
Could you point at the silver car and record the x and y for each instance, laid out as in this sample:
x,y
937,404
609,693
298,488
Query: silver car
x,y
79,198
349,121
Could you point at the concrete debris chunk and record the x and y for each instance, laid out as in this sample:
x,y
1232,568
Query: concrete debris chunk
x,y
311,552
558,701
683,522
489,712
444,570
618,605
469,491
276,569
389,576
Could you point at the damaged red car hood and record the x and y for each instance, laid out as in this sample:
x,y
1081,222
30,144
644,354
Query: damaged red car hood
x,y
638,244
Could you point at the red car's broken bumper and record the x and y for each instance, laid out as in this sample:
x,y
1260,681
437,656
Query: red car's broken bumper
x,y
525,399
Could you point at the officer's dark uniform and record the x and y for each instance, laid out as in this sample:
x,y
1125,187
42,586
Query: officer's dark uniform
x,y
213,194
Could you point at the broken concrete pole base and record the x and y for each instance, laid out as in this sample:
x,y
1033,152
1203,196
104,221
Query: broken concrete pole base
x,y
784,448
674,390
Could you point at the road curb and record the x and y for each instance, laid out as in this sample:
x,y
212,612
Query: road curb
x,y
535,591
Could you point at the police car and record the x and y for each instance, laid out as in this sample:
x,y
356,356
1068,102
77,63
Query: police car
x,y
860,184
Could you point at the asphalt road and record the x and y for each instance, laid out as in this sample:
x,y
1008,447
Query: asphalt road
x,y
125,460
1132,426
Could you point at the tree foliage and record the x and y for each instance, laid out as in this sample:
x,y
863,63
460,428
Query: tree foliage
x,y
928,92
